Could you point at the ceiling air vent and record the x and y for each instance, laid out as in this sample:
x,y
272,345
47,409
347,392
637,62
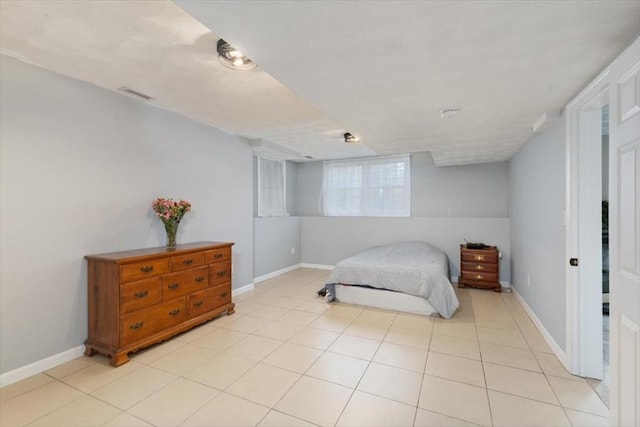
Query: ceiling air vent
x,y
135,93
308,157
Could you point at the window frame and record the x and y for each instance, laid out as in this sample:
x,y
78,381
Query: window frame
x,y
366,190
261,210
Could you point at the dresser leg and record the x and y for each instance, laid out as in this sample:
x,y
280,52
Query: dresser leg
x,y
231,309
89,351
119,359
497,289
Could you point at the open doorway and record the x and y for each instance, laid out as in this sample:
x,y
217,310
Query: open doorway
x,y
588,123
618,86
602,387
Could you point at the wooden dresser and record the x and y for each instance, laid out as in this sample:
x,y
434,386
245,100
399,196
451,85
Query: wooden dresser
x,y
480,268
141,297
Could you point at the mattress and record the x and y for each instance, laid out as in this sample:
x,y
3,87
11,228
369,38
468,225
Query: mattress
x,y
414,268
384,299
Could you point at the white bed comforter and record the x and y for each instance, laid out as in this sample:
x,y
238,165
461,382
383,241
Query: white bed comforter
x,y
415,268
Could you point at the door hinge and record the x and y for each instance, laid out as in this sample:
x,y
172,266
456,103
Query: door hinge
x,y
573,262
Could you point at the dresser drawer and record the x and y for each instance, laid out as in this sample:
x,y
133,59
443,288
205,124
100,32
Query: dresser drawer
x,y
143,270
480,277
480,256
218,255
185,262
220,273
177,285
151,320
479,267
207,300
141,294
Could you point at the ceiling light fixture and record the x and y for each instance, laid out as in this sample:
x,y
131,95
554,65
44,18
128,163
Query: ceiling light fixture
x,y
233,58
349,138
449,113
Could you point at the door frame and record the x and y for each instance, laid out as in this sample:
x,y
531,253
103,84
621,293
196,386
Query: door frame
x,y
581,329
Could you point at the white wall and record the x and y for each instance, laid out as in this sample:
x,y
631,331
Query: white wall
x,y
536,204
327,240
80,167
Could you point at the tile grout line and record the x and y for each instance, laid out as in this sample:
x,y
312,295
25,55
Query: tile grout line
x,y
484,374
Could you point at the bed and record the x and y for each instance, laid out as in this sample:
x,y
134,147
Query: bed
x,y
406,276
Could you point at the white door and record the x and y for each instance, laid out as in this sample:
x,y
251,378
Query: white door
x,y
624,236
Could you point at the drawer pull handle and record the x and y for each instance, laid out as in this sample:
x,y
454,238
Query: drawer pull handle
x,y
174,312
222,295
479,276
199,279
217,256
479,257
174,286
198,303
141,294
222,273
136,325
187,262
147,269
479,267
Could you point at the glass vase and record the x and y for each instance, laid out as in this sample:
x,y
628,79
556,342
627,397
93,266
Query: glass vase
x,y
171,227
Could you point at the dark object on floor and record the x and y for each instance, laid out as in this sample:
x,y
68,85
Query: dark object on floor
x,y
322,292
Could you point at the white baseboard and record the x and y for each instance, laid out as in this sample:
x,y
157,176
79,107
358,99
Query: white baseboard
x,y
40,366
276,273
318,266
242,289
560,354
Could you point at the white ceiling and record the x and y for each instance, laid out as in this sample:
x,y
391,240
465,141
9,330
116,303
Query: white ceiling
x,y
381,70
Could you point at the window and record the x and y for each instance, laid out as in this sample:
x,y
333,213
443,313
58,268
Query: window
x,y
378,186
271,188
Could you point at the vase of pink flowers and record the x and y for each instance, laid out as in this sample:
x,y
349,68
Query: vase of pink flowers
x,y
170,213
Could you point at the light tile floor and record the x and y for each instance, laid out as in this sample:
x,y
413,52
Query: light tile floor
x,y
287,358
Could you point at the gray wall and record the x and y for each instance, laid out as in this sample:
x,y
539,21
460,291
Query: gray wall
x,y
80,167
276,237
327,240
537,203
276,244
448,205
458,191
452,191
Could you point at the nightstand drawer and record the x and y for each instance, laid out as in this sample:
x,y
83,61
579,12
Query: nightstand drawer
x,y
473,267
480,277
480,256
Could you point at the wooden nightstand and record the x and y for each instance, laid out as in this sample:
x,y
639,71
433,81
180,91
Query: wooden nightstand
x,y
480,268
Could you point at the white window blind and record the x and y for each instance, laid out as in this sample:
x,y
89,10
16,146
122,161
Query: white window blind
x,y
379,186
271,188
